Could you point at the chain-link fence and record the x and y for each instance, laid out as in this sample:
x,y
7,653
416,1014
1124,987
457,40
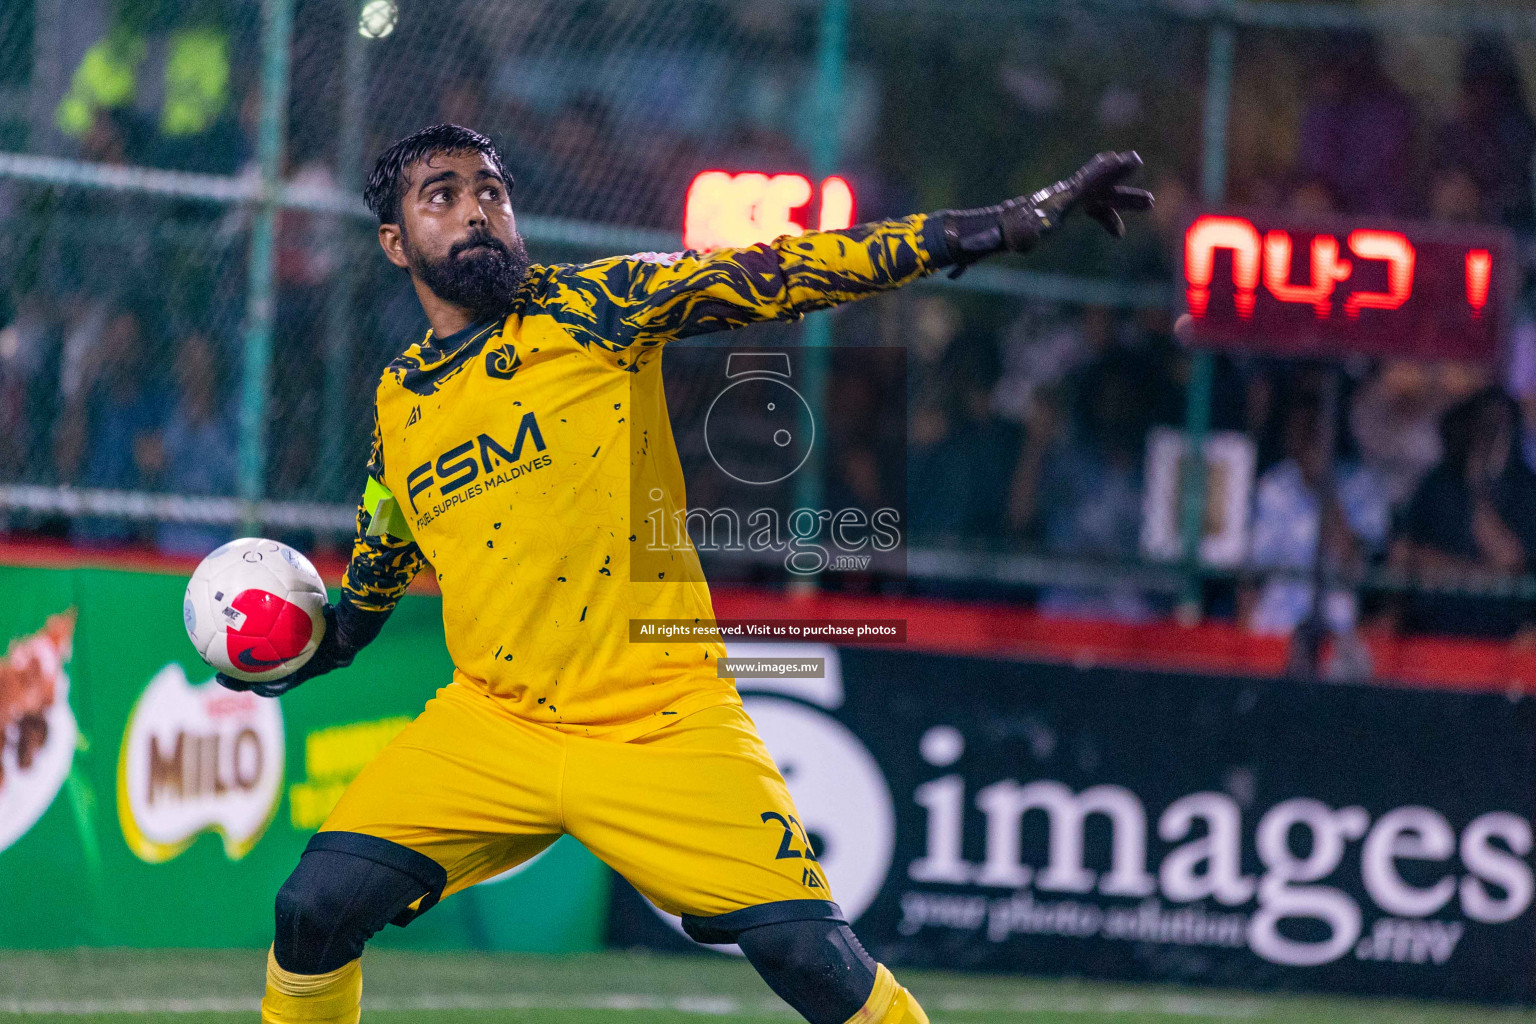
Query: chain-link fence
x,y
194,311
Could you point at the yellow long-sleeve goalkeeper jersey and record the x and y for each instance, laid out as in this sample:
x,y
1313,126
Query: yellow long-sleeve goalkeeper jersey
x,y
512,447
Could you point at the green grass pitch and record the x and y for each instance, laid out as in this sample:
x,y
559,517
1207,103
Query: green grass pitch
x,y
223,986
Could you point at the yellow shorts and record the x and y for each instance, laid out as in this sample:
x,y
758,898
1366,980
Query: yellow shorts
x,y
695,814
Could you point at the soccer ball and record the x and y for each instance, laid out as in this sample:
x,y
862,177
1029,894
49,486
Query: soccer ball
x,y
377,19
254,609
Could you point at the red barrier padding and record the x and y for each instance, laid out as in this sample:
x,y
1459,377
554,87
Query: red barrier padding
x,y
995,630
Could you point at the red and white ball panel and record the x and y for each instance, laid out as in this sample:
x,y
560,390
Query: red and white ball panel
x,y
254,609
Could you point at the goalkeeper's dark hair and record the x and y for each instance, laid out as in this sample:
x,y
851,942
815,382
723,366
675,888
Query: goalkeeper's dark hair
x,y
386,185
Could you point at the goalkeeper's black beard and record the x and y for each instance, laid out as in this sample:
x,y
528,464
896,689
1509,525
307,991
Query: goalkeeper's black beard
x,y
482,281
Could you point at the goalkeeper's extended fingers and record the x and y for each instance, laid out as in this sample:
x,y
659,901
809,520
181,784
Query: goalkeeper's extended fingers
x,y
231,683
1106,210
275,688
1101,174
1124,197
1107,216
271,688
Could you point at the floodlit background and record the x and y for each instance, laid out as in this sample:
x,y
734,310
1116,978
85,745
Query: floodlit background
x,y
194,312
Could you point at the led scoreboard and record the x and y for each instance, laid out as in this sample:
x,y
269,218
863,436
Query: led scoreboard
x,y
731,210
1268,282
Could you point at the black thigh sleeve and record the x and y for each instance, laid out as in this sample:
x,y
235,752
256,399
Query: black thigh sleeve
x,y
348,886
724,928
818,967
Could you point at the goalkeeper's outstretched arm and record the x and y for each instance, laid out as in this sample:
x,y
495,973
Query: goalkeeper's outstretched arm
x,y
624,305
384,560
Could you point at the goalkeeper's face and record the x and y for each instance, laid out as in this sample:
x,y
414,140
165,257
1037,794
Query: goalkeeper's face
x,y
457,235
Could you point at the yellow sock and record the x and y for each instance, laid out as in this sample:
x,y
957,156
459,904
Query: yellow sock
x,y
889,1003
335,997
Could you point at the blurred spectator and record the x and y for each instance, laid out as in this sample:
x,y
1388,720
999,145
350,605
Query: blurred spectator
x,y
195,452
1313,197
1357,131
1285,525
866,425
1156,252
1088,498
1454,196
107,139
308,248
1394,421
935,325
306,244
225,142
1520,379
183,69
28,344
1395,416
590,174
960,459
107,434
959,455
1492,137
1472,520
85,322
1041,349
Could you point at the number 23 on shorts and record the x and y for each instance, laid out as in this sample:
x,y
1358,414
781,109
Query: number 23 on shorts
x,y
796,844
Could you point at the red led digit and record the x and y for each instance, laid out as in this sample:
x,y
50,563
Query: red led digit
x,y
836,204
724,209
1399,255
1328,287
1479,272
1204,237
775,213
1327,271
712,216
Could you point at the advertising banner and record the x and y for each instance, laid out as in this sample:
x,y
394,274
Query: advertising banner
x,y
967,813
1135,825
141,804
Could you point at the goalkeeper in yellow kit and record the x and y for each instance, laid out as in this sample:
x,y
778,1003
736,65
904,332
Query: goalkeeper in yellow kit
x,y
506,445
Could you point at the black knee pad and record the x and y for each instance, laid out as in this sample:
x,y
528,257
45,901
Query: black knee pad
x,y
347,886
818,967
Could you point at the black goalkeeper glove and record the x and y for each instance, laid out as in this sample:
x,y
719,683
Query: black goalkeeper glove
x,y
348,629
1018,224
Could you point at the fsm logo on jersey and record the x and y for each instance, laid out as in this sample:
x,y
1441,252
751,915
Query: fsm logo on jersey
x,y
198,759
471,468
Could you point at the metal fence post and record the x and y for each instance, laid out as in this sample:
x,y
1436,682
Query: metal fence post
x,y
47,74
276,36
831,53
338,342
1197,414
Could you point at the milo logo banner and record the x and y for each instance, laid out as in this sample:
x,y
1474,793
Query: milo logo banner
x,y
195,759
1140,825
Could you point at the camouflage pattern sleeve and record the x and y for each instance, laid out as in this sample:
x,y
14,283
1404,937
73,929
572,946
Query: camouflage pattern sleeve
x,y
382,566
653,298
